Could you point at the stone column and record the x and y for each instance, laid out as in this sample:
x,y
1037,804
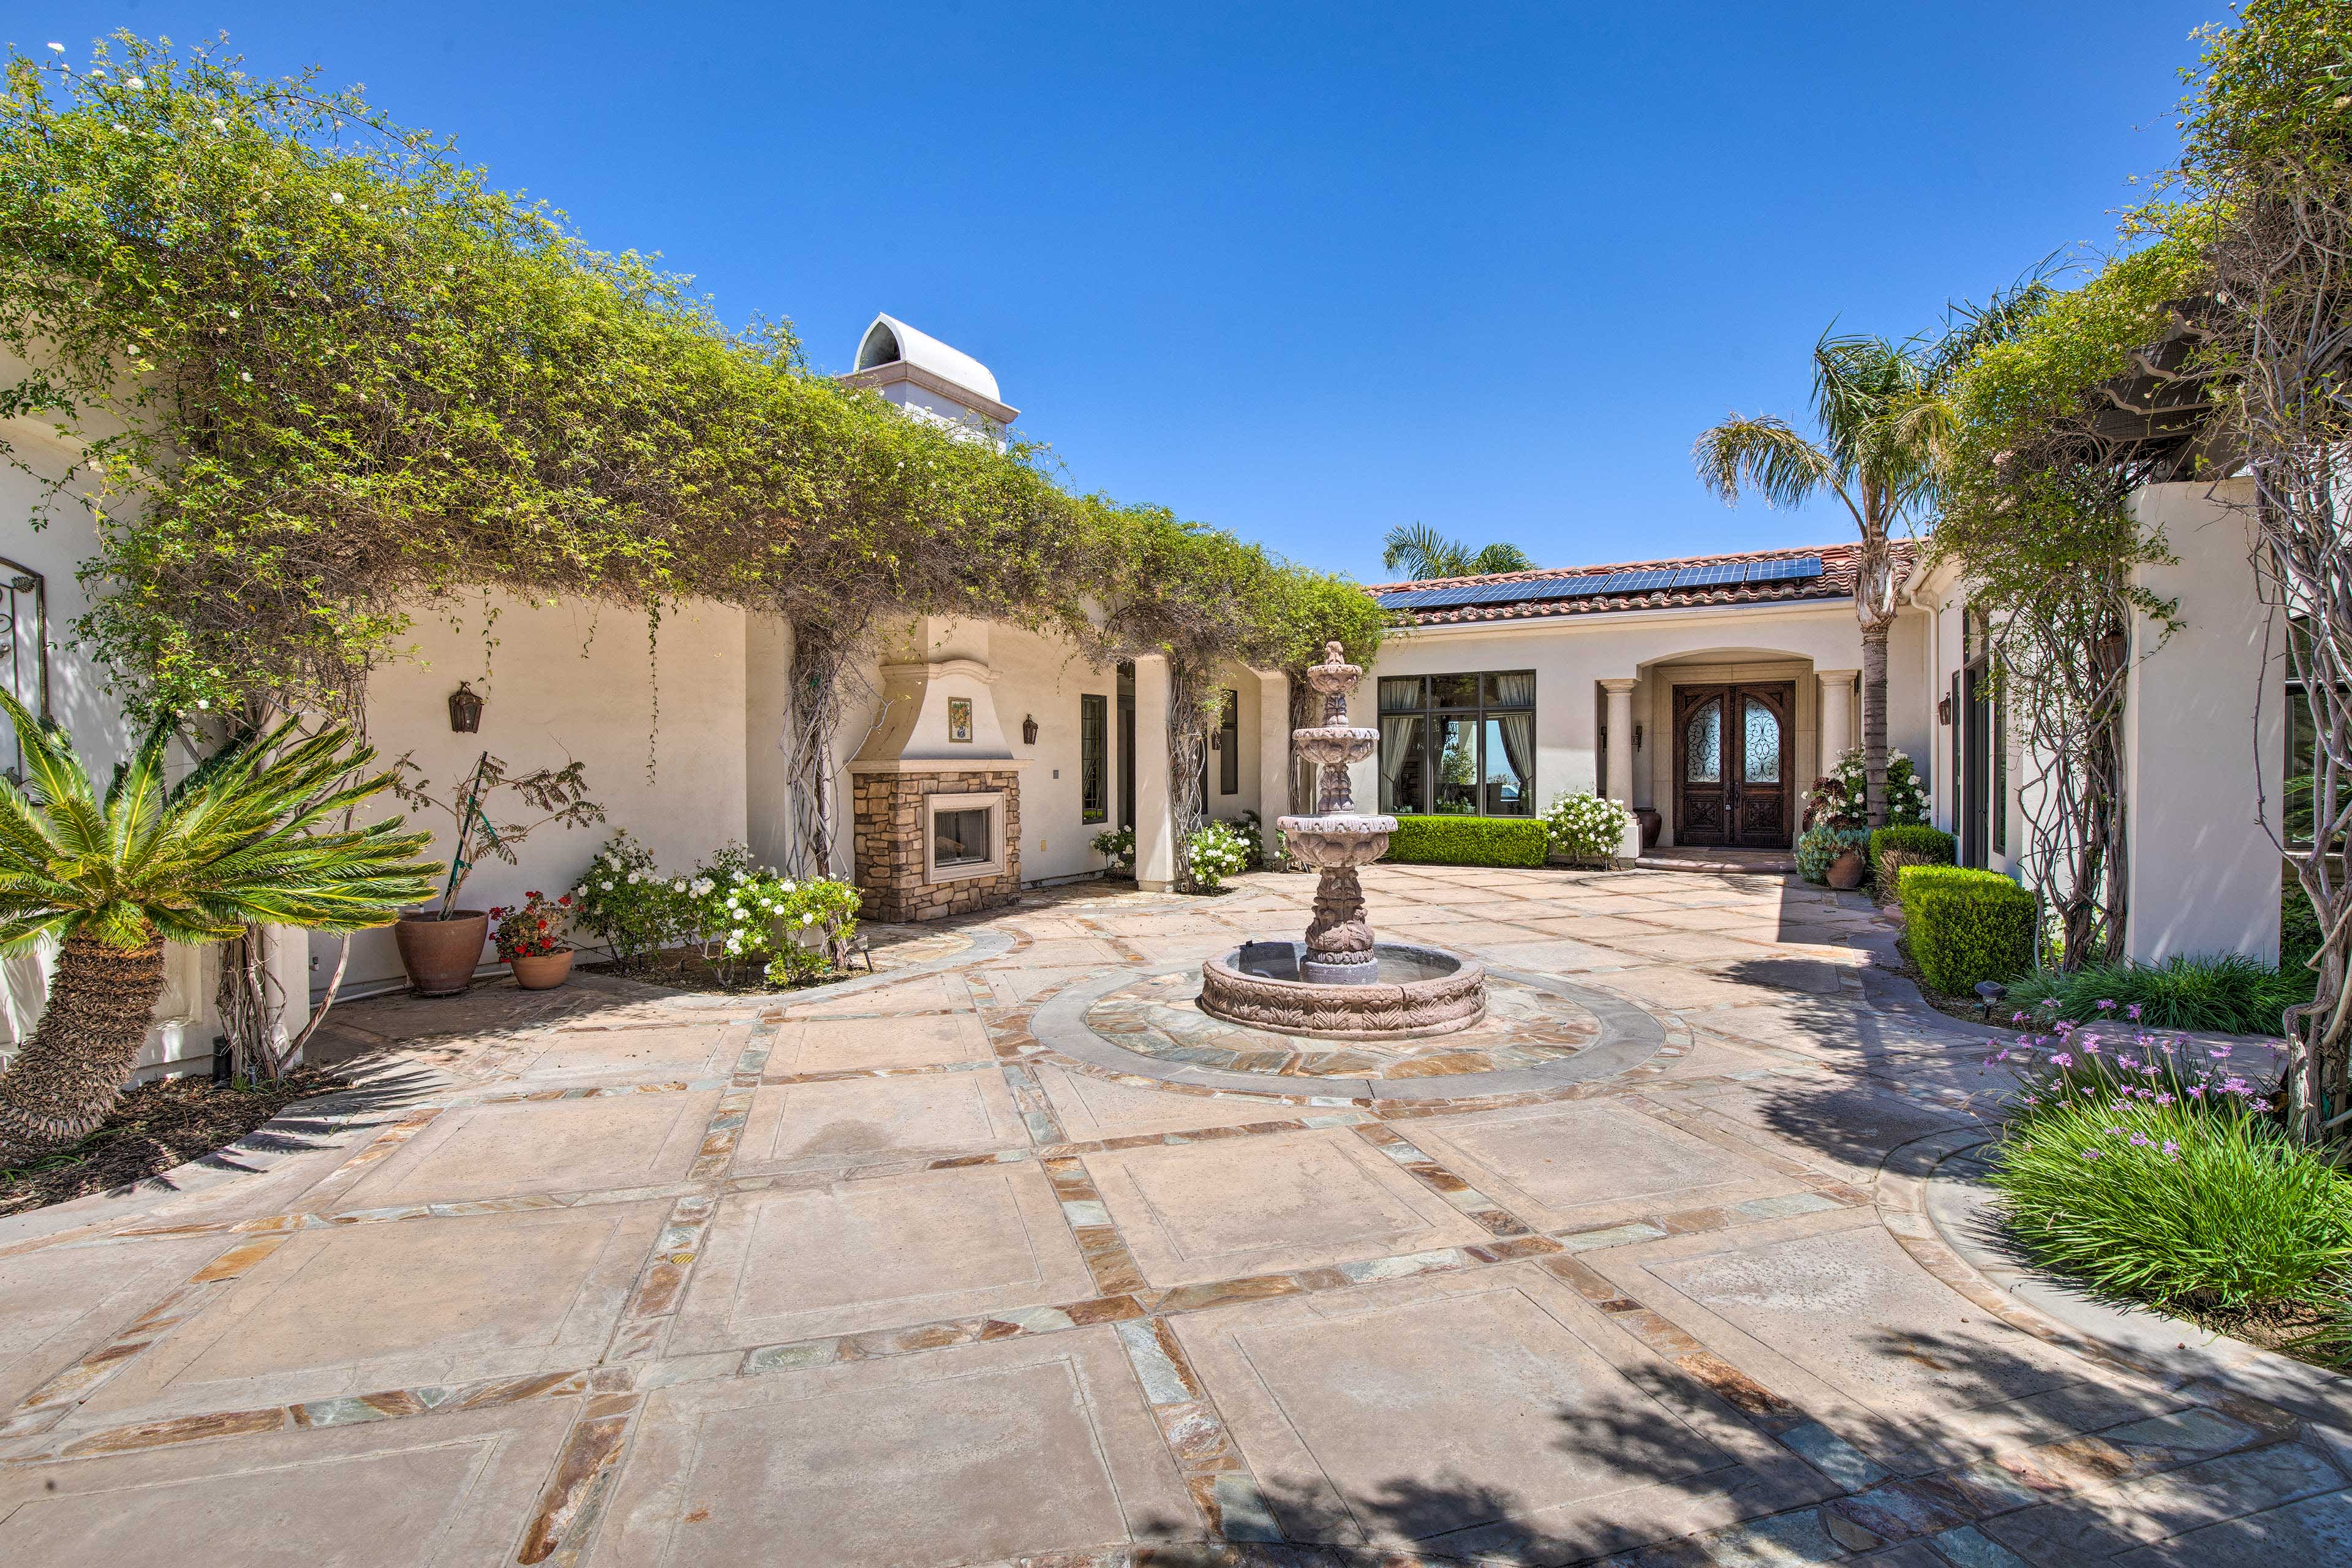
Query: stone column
x,y
1273,750
1155,823
1834,725
1621,761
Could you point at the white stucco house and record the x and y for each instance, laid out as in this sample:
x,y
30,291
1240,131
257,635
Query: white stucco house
x,y
1708,691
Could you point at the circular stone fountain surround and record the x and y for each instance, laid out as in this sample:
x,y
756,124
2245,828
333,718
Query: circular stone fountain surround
x,y
1340,982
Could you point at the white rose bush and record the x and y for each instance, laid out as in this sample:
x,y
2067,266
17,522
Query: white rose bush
x,y
742,918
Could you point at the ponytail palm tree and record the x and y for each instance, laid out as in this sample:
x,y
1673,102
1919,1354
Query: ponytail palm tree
x,y
1876,407
111,877
1420,552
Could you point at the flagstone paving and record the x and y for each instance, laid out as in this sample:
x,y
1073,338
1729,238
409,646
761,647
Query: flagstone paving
x,y
1008,1256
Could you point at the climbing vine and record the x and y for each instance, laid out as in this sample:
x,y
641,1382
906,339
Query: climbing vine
x,y
322,374
2033,483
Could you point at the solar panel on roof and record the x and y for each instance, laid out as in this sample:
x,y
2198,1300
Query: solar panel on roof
x,y
1721,573
1640,582
1784,571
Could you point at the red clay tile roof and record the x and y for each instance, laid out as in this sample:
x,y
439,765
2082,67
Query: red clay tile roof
x,y
1836,582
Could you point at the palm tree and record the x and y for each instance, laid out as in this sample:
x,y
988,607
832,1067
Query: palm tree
x,y
1874,403
1420,552
113,877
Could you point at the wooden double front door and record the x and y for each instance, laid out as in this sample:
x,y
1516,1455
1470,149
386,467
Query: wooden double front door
x,y
1736,765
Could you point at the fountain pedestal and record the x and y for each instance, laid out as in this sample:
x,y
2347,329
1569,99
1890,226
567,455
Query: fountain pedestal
x,y
1342,981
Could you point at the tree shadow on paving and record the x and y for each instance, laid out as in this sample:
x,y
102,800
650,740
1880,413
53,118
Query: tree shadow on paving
x,y
1447,1516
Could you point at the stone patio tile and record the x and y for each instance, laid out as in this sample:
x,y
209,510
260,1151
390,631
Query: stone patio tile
x,y
1091,1108
2312,1529
61,1303
1558,919
478,1151
1829,1311
1556,956
1497,1414
792,1265
981,1454
1200,1212
685,1051
1574,1166
1184,948
1699,947
836,1045
863,1121
1740,919
1089,951
1669,986
1011,987
400,1304
450,1490
1834,1123
927,992
1476,934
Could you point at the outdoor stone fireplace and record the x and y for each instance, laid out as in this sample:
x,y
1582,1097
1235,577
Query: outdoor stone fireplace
x,y
936,796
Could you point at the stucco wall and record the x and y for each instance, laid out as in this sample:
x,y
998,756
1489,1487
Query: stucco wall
x,y
1571,654
571,680
2205,738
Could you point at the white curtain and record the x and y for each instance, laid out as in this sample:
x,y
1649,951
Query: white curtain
x,y
1515,690
1397,732
1519,732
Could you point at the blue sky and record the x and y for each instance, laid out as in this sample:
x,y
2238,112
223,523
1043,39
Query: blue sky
x,y
1309,271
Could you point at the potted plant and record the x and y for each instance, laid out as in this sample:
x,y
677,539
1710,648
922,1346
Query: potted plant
x,y
440,946
531,939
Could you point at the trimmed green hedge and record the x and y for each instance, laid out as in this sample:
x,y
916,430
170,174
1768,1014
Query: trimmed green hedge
x,y
1469,841
1964,926
1932,845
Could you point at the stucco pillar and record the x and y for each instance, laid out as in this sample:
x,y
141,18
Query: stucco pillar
x,y
1273,752
1621,761
1836,727
1155,824
1619,787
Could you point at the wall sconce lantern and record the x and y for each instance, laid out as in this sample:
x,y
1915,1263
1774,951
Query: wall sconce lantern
x,y
465,709
1637,737
1944,711
1029,730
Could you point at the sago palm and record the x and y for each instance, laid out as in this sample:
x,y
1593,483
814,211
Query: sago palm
x,y
112,877
1874,402
1420,552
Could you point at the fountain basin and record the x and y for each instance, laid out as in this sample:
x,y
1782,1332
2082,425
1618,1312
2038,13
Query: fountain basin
x,y
1417,991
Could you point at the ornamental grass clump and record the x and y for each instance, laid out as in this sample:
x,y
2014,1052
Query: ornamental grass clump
x,y
2149,1169
2228,992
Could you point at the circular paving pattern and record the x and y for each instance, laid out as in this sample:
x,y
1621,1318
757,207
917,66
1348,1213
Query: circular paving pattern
x,y
1541,1033
1161,1017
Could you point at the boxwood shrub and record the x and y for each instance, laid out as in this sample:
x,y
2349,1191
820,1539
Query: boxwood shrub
x,y
1964,926
1469,841
1933,845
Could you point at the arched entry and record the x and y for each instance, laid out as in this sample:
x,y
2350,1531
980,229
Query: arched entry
x,y
1735,765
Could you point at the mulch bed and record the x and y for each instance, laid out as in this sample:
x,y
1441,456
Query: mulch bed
x,y
154,1127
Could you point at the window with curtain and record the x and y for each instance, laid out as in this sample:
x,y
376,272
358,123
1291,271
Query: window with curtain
x,y
1094,757
24,651
1459,744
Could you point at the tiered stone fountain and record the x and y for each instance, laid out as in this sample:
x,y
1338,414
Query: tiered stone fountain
x,y
1340,982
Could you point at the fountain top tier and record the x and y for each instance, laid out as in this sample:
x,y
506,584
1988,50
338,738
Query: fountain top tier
x,y
1338,834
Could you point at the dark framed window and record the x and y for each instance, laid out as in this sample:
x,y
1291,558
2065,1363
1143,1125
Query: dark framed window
x,y
1461,745
24,651
1094,757
1229,746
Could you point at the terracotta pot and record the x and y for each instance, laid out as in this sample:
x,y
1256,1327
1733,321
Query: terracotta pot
x,y
439,954
1647,816
1845,871
543,972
